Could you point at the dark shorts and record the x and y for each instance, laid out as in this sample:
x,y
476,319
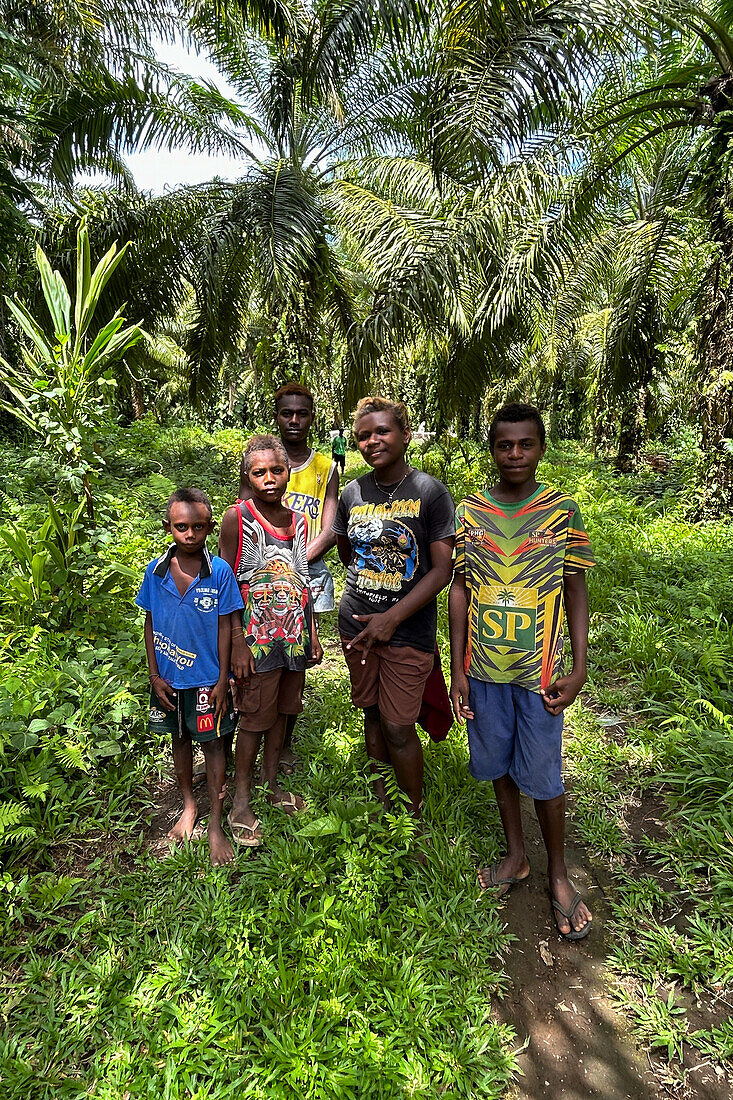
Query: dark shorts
x,y
264,695
512,734
340,460
393,679
193,717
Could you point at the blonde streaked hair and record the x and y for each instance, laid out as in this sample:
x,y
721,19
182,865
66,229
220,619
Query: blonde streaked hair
x,y
256,445
375,404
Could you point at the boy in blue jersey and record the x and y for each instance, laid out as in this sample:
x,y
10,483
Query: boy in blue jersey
x,y
190,598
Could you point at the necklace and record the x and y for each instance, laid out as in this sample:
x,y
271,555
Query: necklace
x,y
389,493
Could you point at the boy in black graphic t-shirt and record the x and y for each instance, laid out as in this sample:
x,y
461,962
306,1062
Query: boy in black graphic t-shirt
x,y
394,530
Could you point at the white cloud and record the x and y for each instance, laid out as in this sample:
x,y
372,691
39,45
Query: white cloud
x,y
160,170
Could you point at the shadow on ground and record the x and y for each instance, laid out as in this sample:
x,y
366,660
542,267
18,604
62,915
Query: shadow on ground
x,y
557,999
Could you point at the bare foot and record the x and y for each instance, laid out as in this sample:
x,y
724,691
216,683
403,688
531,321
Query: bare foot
x,y
220,849
185,825
288,801
564,892
501,876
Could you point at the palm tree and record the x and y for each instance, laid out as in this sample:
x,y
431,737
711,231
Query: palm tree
x,y
683,89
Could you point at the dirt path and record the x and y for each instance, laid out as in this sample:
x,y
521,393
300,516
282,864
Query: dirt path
x,y
578,1044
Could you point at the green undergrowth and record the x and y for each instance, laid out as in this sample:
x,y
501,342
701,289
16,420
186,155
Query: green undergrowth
x,y
334,963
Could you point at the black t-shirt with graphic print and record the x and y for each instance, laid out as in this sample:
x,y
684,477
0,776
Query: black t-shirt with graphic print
x,y
390,551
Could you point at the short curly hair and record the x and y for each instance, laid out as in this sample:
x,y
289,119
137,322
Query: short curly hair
x,y
514,413
375,404
294,389
256,445
188,496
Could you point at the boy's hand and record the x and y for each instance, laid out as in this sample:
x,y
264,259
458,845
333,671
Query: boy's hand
x,y
219,696
316,652
562,692
459,696
165,693
378,631
243,663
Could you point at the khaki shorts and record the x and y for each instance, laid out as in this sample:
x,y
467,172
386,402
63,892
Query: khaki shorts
x,y
393,678
260,699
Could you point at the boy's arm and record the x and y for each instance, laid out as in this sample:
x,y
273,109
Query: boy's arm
x,y
220,691
242,662
325,538
458,623
161,687
344,549
316,648
563,691
229,537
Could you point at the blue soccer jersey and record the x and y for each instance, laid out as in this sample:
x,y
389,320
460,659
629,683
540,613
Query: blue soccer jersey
x,y
186,627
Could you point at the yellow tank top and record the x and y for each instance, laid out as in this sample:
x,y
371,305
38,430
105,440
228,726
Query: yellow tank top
x,y
307,490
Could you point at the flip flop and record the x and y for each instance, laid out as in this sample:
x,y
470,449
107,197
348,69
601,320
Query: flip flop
x,y
574,933
494,880
289,804
246,835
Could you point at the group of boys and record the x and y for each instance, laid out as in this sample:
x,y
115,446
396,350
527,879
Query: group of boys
x,y
520,560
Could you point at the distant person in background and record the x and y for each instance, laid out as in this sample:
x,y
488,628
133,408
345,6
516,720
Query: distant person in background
x,y
338,449
313,489
395,533
521,557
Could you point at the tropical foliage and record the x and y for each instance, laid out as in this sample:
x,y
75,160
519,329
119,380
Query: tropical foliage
x,y
455,204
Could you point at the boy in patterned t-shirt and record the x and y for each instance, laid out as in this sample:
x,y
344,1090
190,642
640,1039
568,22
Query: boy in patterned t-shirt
x,y
521,556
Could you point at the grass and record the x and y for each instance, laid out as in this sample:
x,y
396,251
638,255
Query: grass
x,y
332,964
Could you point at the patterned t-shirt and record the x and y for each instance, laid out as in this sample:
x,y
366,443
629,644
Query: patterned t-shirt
x,y
514,557
272,573
390,551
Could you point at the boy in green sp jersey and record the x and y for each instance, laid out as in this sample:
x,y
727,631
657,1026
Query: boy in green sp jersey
x,y
521,556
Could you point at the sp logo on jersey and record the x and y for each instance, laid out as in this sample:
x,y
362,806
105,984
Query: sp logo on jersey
x,y
205,723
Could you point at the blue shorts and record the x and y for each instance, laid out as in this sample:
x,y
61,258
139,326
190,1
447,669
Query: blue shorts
x,y
512,734
321,586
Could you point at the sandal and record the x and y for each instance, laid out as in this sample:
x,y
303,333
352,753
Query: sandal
x,y
289,803
574,933
496,882
249,836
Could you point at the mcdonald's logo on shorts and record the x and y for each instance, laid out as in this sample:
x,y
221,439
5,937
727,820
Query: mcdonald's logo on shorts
x,y
204,723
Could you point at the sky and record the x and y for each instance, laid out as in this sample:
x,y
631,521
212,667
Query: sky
x,y
158,170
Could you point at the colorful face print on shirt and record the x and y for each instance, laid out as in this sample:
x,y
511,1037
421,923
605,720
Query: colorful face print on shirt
x,y
275,612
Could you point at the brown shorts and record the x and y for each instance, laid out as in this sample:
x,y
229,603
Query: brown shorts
x,y
393,678
260,699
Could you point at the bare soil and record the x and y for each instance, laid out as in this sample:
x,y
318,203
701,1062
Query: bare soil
x,y
577,1043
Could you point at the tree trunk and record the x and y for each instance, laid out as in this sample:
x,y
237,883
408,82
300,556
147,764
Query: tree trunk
x,y
716,389
631,432
139,407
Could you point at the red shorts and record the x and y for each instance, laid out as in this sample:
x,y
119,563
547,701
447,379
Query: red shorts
x,y
393,678
264,695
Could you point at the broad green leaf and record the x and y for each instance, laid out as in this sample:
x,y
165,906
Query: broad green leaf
x,y
38,567
83,277
56,295
31,328
100,277
101,340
